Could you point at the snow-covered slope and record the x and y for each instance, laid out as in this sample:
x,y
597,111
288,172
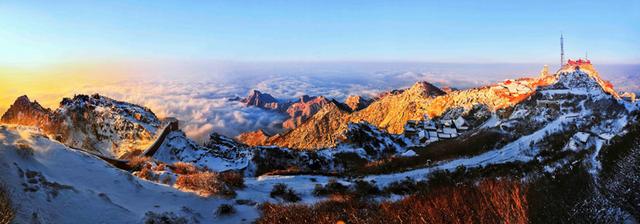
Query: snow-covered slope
x,y
219,154
51,183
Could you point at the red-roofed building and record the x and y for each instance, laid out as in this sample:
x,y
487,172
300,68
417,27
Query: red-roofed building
x,y
579,62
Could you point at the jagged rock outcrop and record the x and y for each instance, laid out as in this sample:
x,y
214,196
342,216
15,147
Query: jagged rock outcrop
x,y
357,103
263,100
375,142
25,112
389,113
298,111
94,123
324,129
254,138
393,110
303,109
218,153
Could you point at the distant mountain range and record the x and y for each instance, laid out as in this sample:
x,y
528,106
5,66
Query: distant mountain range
x,y
522,129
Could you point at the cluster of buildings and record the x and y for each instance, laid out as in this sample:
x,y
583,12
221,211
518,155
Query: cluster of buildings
x,y
515,87
428,130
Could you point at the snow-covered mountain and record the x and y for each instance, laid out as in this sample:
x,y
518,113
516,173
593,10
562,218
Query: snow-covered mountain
x,y
543,132
94,123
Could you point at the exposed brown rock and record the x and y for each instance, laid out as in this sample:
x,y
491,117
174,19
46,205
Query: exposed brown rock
x,y
262,100
324,129
25,112
302,110
253,138
392,111
357,103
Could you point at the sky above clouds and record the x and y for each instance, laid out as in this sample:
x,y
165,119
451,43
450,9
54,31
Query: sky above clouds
x,y
35,33
185,59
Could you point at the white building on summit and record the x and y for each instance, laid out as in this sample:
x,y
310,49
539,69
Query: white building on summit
x,y
429,130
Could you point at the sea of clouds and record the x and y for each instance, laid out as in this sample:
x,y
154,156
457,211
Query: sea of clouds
x,y
202,102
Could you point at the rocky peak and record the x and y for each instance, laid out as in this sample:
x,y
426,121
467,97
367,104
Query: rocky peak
x,y
25,112
217,141
94,123
84,103
300,111
581,74
253,138
22,100
323,129
262,100
305,98
425,89
356,103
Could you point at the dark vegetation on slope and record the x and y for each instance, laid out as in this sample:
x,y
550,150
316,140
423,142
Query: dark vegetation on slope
x,y
285,193
461,196
164,218
280,162
489,201
471,145
621,171
225,209
568,196
515,192
7,211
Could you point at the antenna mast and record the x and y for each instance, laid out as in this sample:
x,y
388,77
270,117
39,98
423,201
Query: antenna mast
x,y
561,50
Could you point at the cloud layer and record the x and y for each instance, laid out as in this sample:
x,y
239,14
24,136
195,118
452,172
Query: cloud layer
x,y
204,106
200,100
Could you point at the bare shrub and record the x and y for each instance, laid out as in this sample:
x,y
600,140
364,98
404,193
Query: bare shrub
x,y
225,209
205,183
183,168
333,187
7,213
164,218
138,162
287,194
363,188
404,187
147,174
232,179
160,167
487,202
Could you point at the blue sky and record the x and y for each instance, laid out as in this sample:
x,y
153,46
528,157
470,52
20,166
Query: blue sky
x,y
46,32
